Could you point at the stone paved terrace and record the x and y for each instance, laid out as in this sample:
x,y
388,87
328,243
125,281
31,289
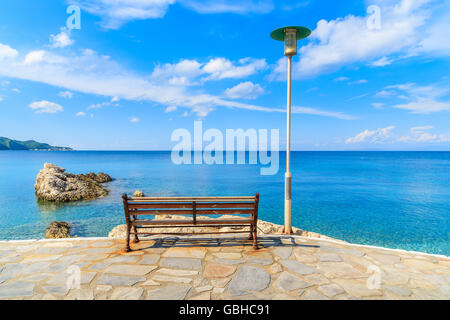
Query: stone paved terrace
x,y
218,268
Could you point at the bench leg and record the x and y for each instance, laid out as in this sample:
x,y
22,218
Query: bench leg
x,y
127,240
136,239
250,237
255,238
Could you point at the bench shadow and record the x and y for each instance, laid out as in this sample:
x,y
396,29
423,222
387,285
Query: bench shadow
x,y
221,241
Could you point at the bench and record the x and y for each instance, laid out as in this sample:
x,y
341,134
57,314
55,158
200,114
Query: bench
x,y
140,214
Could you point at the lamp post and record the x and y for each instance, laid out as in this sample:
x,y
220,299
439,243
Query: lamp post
x,y
289,35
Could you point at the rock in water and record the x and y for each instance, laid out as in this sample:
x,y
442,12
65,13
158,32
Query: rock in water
x,y
53,183
58,230
138,194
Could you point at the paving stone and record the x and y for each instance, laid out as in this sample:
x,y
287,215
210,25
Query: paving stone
x,y
445,290
35,267
130,269
384,258
340,270
164,278
348,251
357,288
198,253
275,268
399,291
119,280
100,266
204,288
331,290
122,259
12,269
297,267
203,296
94,251
63,277
313,295
328,257
127,293
82,294
50,250
420,264
150,259
59,290
228,255
218,290
182,263
214,270
36,258
177,272
305,258
230,261
59,267
102,244
260,261
317,279
170,292
283,252
220,283
249,279
16,289
150,282
288,282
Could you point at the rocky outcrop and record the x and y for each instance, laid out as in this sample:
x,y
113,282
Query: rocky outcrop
x,y
53,183
138,194
58,230
264,227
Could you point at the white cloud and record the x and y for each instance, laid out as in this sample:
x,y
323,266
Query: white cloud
x,y
348,40
372,136
171,109
7,52
362,81
222,68
382,62
61,39
191,72
421,134
342,79
34,57
81,114
421,99
115,13
246,90
66,94
229,6
91,73
15,90
377,105
45,106
135,119
1,99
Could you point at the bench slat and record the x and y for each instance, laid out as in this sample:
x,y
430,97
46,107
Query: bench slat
x,y
191,212
190,222
211,205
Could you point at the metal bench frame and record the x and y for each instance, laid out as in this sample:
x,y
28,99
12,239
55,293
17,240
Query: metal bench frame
x,y
138,209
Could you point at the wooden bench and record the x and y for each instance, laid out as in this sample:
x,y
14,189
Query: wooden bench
x,y
140,214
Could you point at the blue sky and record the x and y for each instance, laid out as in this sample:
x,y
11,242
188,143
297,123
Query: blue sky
x,y
138,70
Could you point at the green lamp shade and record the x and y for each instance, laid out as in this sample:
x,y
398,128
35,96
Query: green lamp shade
x,y
279,34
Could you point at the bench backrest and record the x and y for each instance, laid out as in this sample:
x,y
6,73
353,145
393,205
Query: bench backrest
x,y
194,206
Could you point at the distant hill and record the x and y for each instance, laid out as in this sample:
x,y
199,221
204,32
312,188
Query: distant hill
x,y
9,144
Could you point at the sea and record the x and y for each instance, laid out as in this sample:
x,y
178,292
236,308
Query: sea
x,y
397,200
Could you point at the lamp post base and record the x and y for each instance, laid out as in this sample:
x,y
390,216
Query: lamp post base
x,y
287,204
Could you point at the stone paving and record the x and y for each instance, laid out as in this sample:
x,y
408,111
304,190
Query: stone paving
x,y
224,267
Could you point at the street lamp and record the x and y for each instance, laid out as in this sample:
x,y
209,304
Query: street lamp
x,y
289,35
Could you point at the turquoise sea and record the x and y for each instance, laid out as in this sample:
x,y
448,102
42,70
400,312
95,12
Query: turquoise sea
x,y
390,199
